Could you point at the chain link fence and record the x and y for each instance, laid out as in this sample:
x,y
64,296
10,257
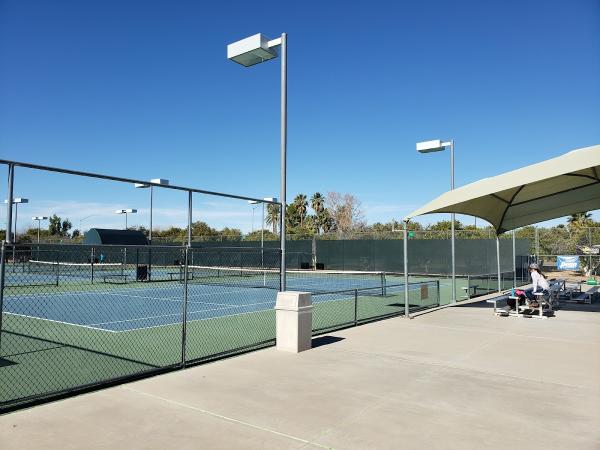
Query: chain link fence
x,y
79,316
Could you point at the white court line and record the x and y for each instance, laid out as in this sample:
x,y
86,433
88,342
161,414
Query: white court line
x,y
177,299
179,314
71,293
195,320
60,321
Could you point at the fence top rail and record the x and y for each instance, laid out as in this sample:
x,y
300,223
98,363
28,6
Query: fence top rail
x,y
72,247
129,180
374,288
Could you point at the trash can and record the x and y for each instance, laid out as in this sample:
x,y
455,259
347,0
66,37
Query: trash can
x,y
142,273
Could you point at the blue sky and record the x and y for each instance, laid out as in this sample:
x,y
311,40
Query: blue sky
x,y
143,89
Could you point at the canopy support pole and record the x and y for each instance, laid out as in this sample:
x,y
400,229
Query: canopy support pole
x,y
498,263
405,243
514,258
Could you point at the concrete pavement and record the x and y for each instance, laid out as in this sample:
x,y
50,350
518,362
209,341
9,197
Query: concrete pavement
x,y
455,378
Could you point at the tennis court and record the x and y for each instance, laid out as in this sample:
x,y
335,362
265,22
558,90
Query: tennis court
x,y
212,293
71,321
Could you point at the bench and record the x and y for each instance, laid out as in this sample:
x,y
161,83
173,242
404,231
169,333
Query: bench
x,y
499,311
548,304
582,296
467,291
121,278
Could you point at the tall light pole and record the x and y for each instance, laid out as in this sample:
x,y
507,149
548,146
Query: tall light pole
x,y
254,202
254,50
438,146
15,201
153,182
39,219
126,211
262,223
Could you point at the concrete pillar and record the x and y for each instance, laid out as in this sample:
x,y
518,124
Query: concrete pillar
x,y
293,312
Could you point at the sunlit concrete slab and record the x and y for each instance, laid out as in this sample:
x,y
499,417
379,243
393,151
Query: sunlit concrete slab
x,y
459,377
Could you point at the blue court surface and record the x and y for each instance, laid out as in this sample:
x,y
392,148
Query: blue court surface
x,y
127,308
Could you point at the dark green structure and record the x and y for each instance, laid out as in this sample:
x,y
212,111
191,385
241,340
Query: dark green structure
x,y
105,236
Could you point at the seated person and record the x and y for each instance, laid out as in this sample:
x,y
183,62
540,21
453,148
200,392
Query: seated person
x,y
540,284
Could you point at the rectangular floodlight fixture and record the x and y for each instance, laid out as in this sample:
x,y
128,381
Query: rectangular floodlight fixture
x,y
270,199
18,200
250,51
39,218
160,181
430,146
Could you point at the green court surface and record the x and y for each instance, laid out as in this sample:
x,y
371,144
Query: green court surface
x,y
42,357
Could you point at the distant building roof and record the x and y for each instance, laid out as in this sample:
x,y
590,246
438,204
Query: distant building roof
x,y
104,236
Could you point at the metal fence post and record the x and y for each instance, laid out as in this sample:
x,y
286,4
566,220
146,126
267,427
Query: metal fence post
x,y
184,309
406,303
2,271
355,307
185,283
437,282
9,208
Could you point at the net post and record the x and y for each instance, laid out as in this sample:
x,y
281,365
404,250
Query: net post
x,y
2,274
437,283
468,286
137,262
184,308
355,307
93,260
57,264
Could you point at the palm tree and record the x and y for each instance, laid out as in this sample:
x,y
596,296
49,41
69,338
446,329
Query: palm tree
x,y
580,220
273,216
301,205
317,202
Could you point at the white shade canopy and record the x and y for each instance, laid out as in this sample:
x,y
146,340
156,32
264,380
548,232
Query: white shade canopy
x,y
554,188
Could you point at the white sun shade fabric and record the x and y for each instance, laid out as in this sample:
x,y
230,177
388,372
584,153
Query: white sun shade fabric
x,y
554,188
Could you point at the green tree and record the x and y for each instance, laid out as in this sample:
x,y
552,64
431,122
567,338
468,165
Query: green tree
x,y
202,230
301,207
317,203
231,234
255,236
444,225
292,217
272,216
59,227
580,220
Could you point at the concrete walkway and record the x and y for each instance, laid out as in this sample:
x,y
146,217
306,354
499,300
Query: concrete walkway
x,y
455,378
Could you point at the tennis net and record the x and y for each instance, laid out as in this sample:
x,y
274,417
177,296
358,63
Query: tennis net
x,y
72,269
305,280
